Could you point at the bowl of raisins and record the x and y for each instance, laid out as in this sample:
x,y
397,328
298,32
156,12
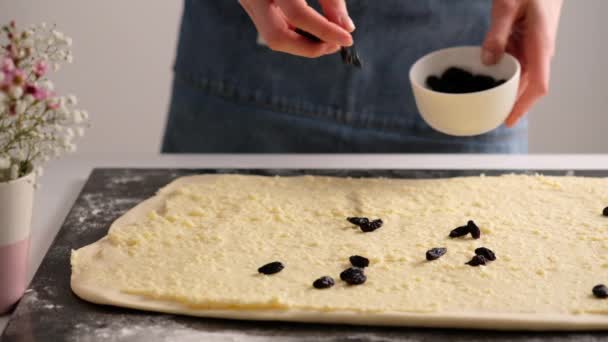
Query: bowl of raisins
x,y
457,94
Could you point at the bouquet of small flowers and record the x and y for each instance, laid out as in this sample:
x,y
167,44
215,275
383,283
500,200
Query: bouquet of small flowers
x,y
36,124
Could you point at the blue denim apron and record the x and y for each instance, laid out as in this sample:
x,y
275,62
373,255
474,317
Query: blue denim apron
x,y
232,95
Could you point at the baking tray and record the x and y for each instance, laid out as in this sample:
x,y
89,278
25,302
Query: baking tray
x,y
49,311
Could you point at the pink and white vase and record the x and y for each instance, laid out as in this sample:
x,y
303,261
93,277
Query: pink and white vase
x,y
16,202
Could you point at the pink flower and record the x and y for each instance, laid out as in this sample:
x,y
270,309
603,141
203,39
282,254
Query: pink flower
x,y
12,75
12,50
7,79
52,104
38,93
40,68
8,65
19,77
30,89
42,94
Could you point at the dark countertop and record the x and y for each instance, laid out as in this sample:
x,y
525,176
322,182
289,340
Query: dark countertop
x,y
49,311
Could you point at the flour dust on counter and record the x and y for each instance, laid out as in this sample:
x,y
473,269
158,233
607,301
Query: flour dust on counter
x,y
196,246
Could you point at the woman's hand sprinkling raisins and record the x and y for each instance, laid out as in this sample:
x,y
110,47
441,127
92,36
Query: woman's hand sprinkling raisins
x,y
527,30
276,21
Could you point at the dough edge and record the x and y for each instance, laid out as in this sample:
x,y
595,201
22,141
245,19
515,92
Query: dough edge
x,y
485,321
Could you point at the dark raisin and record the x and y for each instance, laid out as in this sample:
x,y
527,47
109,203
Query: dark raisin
x,y
435,253
358,221
474,230
350,56
323,282
486,252
477,260
457,77
308,35
460,231
271,268
605,211
456,80
359,261
434,83
371,225
345,54
600,291
353,276
483,82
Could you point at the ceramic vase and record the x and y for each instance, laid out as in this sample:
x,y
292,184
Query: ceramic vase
x,y
16,202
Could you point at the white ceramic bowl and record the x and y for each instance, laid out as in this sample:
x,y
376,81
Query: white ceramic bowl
x,y
470,113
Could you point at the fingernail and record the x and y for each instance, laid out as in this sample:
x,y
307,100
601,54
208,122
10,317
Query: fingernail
x,y
348,23
487,57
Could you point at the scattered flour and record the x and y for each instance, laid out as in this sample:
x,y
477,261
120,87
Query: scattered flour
x,y
127,178
169,330
32,299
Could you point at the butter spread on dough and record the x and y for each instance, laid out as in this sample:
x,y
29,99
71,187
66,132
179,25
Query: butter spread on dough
x,y
195,248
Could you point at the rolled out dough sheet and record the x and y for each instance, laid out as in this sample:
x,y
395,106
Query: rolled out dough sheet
x,y
196,246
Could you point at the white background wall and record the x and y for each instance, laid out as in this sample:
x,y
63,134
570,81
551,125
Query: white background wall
x,y
124,51
123,54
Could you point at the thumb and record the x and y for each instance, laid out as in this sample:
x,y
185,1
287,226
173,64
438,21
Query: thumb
x,y
336,12
504,13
